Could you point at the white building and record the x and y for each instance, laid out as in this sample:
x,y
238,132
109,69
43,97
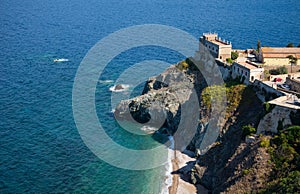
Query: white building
x,y
220,49
247,71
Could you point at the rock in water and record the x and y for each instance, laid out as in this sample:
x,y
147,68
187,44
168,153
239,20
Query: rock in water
x,y
165,98
119,87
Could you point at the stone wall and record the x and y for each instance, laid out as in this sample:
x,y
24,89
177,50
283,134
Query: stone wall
x,y
277,118
225,52
276,61
266,92
293,83
224,69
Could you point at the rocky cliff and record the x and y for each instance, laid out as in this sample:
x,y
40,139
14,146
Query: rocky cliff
x,y
172,101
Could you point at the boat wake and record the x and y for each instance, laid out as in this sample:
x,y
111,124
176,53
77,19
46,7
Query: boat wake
x,y
106,81
60,60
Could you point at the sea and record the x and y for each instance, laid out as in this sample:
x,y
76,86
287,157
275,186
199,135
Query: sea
x,y
41,149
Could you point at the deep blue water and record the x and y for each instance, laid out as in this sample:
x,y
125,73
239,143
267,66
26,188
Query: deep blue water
x,y
40,148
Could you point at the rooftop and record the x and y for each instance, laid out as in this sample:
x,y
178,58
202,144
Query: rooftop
x,y
248,65
280,52
214,38
289,101
220,43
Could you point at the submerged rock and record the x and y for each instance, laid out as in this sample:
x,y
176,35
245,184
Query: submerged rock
x,y
119,87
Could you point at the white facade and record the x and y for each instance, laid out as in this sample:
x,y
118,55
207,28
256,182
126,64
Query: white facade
x,y
247,72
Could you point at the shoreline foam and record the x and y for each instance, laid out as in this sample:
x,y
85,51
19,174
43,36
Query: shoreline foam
x,y
178,185
124,86
169,168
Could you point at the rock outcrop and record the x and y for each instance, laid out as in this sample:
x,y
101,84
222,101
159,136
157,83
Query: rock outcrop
x,y
278,118
119,87
161,100
172,100
169,101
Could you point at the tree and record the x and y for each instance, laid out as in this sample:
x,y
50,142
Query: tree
x,y
248,130
290,44
293,61
234,55
258,46
229,60
278,71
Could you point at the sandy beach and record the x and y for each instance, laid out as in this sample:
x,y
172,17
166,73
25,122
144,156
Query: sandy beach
x,y
178,185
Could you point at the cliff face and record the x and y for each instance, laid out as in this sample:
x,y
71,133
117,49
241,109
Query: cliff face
x,y
173,99
166,100
278,117
224,167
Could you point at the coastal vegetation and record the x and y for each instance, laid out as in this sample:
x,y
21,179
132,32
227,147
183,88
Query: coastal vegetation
x,y
258,46
248,130
234,55
215,94
262,163
183,65
290,44
278,71
284,149
229,60
268,107
292,59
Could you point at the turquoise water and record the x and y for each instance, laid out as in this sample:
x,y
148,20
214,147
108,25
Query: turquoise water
x,y
41,150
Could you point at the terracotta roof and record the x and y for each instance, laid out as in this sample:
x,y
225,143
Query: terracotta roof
x,y
283,52
247,65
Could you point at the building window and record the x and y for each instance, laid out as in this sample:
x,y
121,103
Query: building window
x,y
246,73
208,46
252,78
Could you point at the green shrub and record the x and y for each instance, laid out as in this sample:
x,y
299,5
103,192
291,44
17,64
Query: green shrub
x,y
264,142
182,65
279,71
220,96
290,44
268,107
285,155
234,55
229,60
245,171
213,94
248,130
191,64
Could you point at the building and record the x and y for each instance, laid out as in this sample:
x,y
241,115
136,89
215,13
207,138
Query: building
x,y
293,80
247,71
278,56
220,49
